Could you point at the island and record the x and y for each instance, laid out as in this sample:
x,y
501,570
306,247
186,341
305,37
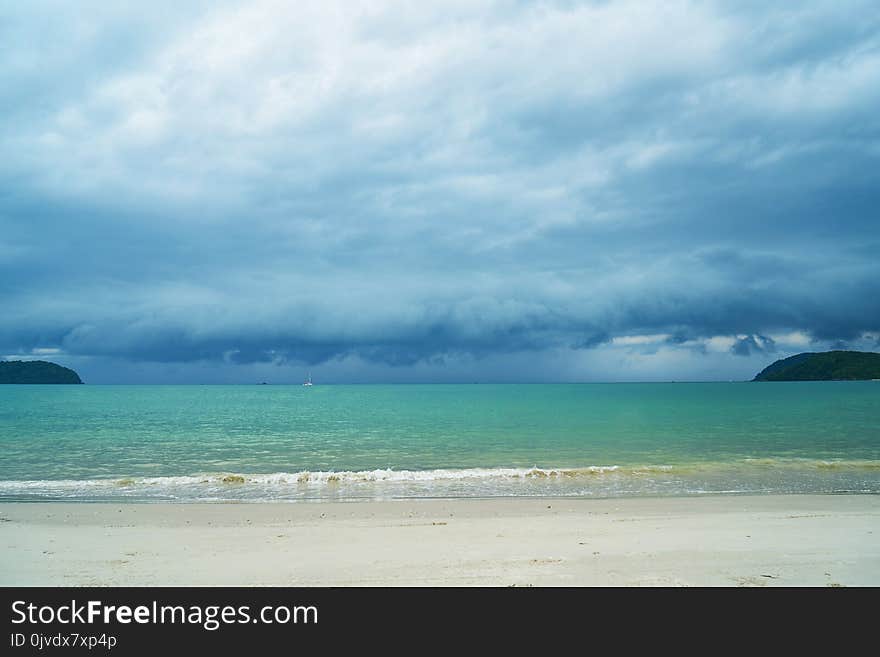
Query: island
x,y
36,371
824,366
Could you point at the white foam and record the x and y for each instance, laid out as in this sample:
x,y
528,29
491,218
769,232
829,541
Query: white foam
x,y
787,475
307,477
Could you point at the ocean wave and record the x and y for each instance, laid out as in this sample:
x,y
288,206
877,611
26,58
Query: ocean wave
x,y
229,481
819,464
310,477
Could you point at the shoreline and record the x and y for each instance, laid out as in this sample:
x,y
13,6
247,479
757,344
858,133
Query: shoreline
x,y
319,500
703,540
750,476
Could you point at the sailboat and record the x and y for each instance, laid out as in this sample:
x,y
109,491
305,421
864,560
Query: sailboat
x,y
309,380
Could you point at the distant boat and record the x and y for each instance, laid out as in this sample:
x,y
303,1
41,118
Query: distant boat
x,y
309,380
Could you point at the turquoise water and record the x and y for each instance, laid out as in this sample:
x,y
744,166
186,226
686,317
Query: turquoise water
x,y
210,443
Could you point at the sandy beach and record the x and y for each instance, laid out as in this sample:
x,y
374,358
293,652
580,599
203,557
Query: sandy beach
x,y
804,540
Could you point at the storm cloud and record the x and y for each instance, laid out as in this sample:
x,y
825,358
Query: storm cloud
x,y
400,191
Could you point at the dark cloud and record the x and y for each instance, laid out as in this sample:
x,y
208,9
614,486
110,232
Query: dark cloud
x,y
593,341
678,338
439,185
750,344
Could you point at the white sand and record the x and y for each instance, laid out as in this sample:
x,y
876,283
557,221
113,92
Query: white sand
x,y
809,540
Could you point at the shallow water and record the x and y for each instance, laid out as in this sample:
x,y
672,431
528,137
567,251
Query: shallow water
x,y
205,443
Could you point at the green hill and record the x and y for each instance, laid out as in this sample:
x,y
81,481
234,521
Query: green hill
x,y
825,366
36,371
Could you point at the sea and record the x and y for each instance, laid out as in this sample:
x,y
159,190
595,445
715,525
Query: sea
x,y
277,443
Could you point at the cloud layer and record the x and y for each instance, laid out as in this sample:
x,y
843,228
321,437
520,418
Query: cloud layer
x,y
392,188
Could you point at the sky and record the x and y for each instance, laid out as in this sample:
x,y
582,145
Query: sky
x,y
234,192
